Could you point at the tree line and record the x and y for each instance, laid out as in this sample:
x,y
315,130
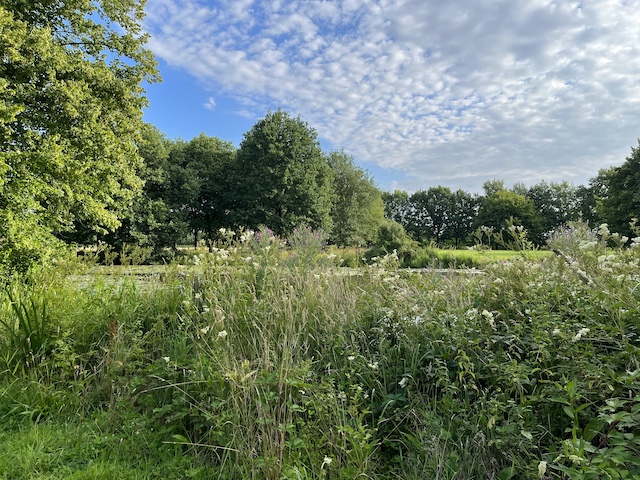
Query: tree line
x,y
279,177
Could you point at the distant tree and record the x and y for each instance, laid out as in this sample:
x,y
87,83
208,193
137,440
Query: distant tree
x,y
463,216
591,195
556,202
504,205
71,102
282,178
491,187
520,188
432,210
358,209
150,220
206,163
397,207
622,202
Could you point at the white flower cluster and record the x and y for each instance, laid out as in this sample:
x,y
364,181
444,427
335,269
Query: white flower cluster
x,y
582,332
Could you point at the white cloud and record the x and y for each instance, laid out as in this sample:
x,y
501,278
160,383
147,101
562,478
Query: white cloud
x,y
451,93
210,104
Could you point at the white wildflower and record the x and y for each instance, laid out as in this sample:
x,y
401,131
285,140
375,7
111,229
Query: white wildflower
x,y
403,383
342,396
489,316
580,334
205,309
556,332
222,334
374,366
604,230
351,358
542,468
327,461
166,359
205,330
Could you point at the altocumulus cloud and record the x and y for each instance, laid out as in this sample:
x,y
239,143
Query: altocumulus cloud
x,y
451,93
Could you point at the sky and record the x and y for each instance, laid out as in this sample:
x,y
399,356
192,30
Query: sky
x,y
421,92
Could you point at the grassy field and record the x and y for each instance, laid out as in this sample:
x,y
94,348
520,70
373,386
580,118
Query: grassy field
x,y
254,362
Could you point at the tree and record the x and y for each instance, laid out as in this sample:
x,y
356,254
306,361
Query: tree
x,y
431,212
153,219
503,206
207,162
358,209
70,113
491,187
556,202
282,178
397,207
588,197
463,216
622,201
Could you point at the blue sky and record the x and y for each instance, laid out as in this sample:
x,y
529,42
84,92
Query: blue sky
x,y
420,92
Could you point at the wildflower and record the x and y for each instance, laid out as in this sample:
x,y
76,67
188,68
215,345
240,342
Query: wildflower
x,y
374,366
331,256
198,296
351,358
489,316
580,334
205,330
222,334
327,461
342,396
542,468
403,383
166,359
205,309
556,332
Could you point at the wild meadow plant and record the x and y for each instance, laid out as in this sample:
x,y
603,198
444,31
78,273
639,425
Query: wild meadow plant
x,y
251,365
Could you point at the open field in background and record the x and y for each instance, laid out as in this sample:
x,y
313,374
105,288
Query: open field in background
x,y
264,363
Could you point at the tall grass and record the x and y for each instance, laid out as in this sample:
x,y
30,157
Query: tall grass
x,y
260,363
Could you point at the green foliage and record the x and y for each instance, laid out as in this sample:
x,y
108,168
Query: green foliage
x,y
622,200
358,209
506,206
245,365
438,214
557,203
70,113
282,179
392,239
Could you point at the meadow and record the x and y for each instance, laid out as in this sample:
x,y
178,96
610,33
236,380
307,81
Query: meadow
x,y
260,362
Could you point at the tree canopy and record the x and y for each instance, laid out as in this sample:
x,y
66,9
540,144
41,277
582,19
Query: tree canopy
x,y
622,201
282,178
358,209
70,114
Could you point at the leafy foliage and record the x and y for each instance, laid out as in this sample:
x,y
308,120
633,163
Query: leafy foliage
x,y
70,113
622,201
357,209
282,178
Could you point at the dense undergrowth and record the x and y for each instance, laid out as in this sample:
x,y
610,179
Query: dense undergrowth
x,y
280,366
